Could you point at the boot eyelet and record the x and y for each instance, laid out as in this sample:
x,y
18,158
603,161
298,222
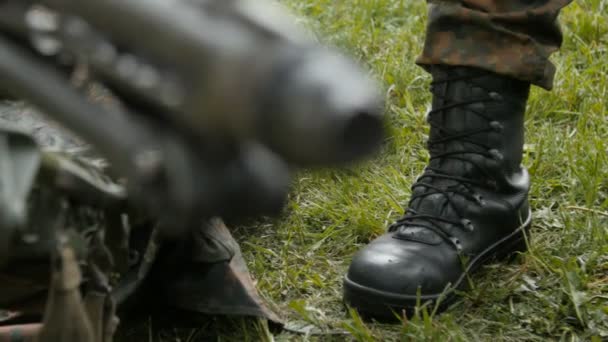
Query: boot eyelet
x,y
134,258
496,126
479,199
495,96
496,155
467,224
456,244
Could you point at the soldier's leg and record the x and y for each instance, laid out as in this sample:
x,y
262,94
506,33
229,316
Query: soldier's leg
x,y
510,37
470,205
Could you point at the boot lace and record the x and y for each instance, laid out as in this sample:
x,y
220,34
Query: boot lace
x,y
461,185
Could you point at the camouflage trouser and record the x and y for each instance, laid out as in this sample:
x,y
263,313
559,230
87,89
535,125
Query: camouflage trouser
x,y
509,37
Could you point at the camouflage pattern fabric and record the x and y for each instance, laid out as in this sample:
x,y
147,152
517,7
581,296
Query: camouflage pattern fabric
x,y
510,37
81,222
209,276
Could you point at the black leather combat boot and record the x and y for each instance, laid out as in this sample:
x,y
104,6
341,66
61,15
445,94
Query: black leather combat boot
x,y
468,207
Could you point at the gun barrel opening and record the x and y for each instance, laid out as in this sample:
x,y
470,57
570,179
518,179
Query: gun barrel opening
x,y
362,134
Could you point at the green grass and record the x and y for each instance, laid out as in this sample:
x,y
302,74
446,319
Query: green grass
x,y
556,291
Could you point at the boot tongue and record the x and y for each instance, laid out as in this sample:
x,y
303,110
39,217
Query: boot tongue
x,y
436,204
419,234
454,121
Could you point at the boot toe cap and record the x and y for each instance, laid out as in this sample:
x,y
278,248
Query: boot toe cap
x,y
400,267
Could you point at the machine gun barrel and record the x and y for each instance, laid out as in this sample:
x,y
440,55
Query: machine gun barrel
x,y
199,81
166,175
228,70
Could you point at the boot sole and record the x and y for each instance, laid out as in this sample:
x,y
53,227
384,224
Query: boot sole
x,y
389,306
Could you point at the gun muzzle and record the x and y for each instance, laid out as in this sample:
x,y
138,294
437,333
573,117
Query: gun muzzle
x,y
323,110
